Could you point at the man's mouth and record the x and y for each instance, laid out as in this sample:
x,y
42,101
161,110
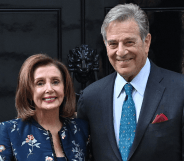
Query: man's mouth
x,y
126,60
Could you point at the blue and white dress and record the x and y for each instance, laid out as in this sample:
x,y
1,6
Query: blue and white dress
x,y
28,141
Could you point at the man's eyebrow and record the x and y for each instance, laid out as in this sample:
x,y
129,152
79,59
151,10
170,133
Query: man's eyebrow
x,y
130,38
110,41
126,39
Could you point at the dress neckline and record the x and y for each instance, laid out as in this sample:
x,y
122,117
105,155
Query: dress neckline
x,y
61,159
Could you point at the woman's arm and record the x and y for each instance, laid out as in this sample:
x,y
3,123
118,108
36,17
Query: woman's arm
x,y
5,143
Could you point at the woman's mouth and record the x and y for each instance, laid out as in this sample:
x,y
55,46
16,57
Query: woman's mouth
x,y
50,99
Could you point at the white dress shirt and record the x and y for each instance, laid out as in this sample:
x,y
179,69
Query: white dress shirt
x,y
139,84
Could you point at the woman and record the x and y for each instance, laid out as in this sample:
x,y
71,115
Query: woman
x,y
44,129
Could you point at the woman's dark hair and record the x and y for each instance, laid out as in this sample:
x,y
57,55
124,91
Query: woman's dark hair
x,y
24,96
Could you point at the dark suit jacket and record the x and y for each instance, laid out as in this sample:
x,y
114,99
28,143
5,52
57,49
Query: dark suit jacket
x,y
153,142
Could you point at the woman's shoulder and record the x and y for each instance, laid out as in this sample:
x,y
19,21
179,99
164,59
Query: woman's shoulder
x,y
76,122
9,126
78,125
10,122
13,125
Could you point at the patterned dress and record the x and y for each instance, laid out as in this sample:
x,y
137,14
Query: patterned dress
x,y
28,141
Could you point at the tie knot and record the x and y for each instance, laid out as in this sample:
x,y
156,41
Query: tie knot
x,y
128,89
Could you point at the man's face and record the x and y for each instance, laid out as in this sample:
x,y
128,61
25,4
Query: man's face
x,y
126,51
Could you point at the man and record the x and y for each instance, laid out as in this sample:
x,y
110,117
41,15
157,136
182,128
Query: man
x,y
155,130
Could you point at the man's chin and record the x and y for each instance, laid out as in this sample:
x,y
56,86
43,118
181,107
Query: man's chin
x,y
127,75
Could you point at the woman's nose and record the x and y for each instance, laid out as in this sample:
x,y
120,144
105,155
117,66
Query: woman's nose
x,y
49,88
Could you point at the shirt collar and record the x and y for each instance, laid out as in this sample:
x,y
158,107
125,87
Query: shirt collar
x,y
119,84
139,82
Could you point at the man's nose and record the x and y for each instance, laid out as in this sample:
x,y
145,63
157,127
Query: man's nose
x,y
121,50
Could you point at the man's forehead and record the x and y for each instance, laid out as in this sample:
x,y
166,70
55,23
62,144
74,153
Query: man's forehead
x,y
126,38
118,22
126,30
130,23
132,38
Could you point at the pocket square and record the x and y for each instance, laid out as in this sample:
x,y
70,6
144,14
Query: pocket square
x,y
160,118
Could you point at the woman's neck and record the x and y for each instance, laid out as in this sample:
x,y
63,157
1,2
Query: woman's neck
x,y
49,120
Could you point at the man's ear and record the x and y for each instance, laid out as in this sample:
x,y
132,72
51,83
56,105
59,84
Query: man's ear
x,y
105,42
147,42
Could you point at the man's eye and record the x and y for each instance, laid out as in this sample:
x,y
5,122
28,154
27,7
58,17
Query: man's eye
x,y
113,45
129,43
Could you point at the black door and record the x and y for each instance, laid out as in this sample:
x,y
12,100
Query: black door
x,y
30,27
54,27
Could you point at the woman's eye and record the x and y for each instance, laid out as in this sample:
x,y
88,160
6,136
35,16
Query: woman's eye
x,y
56,82
39,83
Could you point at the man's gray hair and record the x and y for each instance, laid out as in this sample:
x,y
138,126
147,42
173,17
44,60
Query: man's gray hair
x,y
124,12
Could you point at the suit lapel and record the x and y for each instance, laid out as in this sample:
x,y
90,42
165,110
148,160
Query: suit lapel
x,y
106,102
153,94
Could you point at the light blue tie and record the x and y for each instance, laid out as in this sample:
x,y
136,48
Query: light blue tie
x,y
127,123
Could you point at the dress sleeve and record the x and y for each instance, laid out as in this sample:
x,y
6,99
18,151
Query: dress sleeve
x,y
5,144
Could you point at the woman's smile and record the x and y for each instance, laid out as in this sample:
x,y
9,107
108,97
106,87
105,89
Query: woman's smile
x,y
49,99
48,90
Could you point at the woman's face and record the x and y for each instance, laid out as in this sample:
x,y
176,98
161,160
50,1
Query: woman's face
x,y
48,90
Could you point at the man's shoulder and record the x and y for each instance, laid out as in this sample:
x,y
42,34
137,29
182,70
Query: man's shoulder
x,y
168,75
171,74
101,83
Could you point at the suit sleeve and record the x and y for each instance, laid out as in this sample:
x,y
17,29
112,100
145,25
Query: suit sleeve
x,y
183,136
81,111
5,144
